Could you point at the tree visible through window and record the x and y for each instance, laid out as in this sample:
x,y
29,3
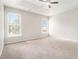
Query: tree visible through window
x,y
14,24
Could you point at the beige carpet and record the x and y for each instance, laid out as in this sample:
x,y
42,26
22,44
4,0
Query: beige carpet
x,y
46,48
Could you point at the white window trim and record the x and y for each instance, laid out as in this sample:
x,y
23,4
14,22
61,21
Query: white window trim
x,y
20,34
45,27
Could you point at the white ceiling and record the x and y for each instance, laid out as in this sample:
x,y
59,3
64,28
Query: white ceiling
x,y
39,7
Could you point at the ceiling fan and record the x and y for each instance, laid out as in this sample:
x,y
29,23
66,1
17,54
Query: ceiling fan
x,y
49,2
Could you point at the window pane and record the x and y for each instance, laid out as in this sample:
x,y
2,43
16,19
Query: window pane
x,y
14,29
44,26
13,18
14,24
44,23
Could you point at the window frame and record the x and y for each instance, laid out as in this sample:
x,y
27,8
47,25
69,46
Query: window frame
x,y
45,27
20,33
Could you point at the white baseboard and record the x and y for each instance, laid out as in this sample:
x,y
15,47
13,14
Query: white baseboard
x,y
19,39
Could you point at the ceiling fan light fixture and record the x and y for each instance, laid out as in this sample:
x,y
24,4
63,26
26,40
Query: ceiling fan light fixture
x,y
47,4
44,0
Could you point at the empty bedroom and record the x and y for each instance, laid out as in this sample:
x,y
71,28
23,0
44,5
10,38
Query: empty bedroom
x,y
38,29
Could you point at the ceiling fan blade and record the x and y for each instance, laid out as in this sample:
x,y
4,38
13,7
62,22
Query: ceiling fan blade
x,y
54,2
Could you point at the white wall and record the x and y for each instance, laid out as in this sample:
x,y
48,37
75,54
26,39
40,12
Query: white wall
x,y
1,26
30,25
64,25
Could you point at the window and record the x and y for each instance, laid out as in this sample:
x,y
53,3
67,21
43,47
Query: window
x,y
44,26
13,24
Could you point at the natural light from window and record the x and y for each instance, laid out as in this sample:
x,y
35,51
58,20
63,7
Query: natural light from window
x,y
14,24
44,26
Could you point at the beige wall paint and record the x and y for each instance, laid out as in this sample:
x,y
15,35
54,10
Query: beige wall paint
x,y
1,26
31,27
64,25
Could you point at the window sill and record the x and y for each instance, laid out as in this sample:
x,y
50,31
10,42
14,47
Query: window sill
x,y
15,35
